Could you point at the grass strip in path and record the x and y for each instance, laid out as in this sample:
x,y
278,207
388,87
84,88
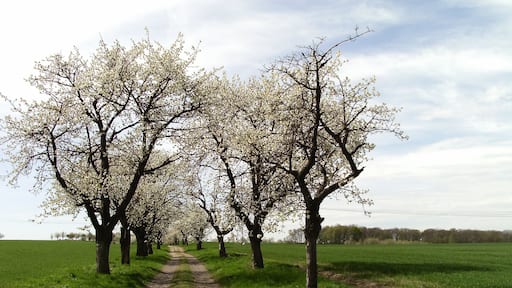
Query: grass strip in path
x,y
183,270
183,277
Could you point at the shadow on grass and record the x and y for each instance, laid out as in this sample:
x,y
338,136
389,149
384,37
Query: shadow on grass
x,y
152,258
121,277
363,269
134,275
235,254
128,280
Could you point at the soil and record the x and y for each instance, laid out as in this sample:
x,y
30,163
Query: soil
x,y
202,278
358,283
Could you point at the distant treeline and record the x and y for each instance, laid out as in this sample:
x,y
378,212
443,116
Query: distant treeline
x,y
73,236
352,234
344,234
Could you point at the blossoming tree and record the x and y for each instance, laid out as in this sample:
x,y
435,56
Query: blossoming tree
x,y
155,205
110,110
241,132
208,191
329,123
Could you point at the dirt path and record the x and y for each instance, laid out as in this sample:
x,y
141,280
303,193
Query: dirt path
x,y
202,278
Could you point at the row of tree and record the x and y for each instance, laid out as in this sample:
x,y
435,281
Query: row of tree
x,y
340,234
72,236
143,137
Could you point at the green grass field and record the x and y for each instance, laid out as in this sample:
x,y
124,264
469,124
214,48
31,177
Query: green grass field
x,y
413,265
71,264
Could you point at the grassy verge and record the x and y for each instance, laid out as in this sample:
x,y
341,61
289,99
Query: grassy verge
x,y
415,265
71,264
236,271
183,277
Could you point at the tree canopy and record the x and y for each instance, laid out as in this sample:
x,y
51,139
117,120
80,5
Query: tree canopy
x,y
98,122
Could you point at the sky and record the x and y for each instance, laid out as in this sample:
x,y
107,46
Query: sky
x,y
448,64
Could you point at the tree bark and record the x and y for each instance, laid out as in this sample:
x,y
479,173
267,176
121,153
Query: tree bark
x,y
125,242
222,246
142,247
257,256
103,241
159,241
150,247
311,233
199,244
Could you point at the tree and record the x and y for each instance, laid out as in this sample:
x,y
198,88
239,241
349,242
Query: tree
x,y
295,236
240,128
330,120
191,222
209,194
2,235
111,110
151,208
335,234
155,205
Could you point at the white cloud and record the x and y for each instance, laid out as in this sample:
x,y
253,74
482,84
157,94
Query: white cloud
x,y
433,62
244,35
452,78
32,30
450,176
472,157
494,4
467,91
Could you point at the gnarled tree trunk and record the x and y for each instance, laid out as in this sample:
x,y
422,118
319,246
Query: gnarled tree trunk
x,y
222,246
150,247
311,233
142,247
125,242
199,243
255,236
103,241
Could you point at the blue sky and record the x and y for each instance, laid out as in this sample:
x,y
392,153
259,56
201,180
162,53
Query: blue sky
x,y
448,64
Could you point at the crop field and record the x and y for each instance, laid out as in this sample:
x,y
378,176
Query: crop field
x,y
404,265
71,264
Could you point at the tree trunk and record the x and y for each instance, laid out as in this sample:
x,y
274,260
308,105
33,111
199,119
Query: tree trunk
x,y
199,244
158,244
142,247
125,245
103,241
222,246
257,256
311,232
150,247
184,239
